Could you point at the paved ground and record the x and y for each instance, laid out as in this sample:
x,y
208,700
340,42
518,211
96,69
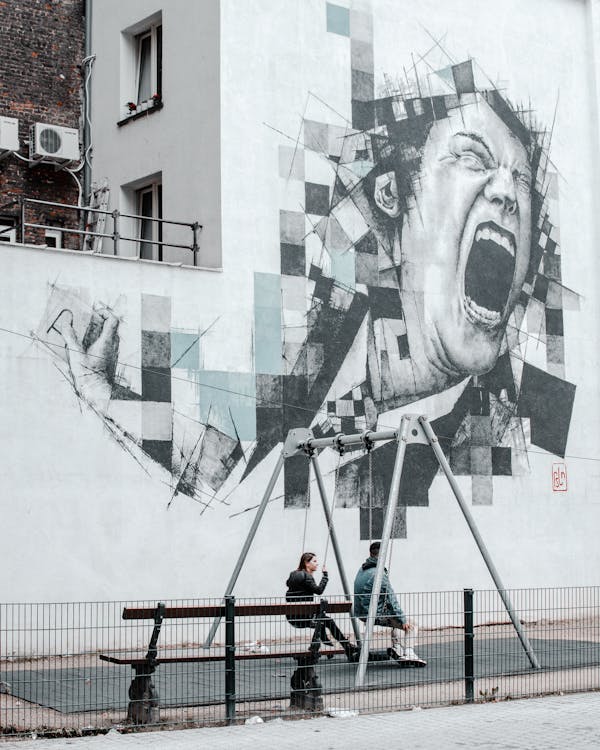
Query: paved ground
x,y
104,687
569,722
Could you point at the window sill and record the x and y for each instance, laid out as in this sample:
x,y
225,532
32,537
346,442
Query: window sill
x,y
137,115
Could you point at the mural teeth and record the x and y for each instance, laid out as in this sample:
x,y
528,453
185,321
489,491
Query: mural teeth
x,y
489,233
490,317
506,243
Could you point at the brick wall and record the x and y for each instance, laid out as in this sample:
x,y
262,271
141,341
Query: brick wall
x,y
41,80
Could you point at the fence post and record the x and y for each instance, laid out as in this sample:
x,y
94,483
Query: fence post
x,y
115,216
230,659
469,643
195,228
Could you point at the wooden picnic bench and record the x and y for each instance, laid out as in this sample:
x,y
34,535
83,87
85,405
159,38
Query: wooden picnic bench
x,y
305,686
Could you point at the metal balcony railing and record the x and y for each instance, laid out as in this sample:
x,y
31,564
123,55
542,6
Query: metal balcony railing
x,y
87,219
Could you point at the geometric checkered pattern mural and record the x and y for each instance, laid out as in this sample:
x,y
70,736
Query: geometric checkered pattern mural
x,y
157,419
343,291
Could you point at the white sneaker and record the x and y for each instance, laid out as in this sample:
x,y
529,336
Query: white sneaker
x,y
410,655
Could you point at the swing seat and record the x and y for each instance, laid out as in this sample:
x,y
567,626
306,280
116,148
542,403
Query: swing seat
x,y
410,663
375,655
379,654
389,654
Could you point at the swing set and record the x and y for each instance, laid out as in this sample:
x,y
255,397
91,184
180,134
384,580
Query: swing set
x,y
413,429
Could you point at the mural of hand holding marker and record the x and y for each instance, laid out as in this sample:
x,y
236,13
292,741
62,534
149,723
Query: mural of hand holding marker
x,y
85,341
92,361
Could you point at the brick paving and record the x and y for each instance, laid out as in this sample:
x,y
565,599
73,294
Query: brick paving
x,y
568,722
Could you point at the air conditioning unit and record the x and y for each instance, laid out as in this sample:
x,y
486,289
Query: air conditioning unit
x,y
53,143
9,134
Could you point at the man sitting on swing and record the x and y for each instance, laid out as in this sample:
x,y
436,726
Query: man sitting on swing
x,y
389,612
301,588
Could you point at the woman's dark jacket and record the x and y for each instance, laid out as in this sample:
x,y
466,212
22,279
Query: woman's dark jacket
x,y
301,588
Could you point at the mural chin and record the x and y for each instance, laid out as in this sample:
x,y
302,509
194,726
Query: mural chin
x,y
461,347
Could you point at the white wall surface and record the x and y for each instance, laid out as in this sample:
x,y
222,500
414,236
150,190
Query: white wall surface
x,y
540,53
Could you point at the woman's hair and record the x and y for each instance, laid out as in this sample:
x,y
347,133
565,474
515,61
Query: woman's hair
x,y
306,557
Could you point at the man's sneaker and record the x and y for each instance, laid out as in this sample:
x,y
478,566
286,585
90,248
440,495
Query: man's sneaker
x,y
410,655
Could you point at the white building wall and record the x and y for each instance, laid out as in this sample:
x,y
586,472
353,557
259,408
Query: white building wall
x,y
89,511
181,141
540,55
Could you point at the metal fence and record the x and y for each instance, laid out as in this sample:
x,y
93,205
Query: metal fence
x,y
76,668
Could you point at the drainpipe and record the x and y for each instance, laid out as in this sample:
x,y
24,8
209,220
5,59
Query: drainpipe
x,y
87,103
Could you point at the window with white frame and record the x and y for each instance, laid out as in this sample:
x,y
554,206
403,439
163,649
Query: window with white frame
x,y
53,238
141,66
149,209
148,47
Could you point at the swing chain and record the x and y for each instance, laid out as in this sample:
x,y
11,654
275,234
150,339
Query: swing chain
x,y
367,441
368,446
306,506
333,504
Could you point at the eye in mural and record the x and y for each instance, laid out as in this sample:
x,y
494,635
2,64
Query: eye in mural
x,y
423,273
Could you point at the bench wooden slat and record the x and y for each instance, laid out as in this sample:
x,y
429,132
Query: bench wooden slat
x,y
147,613
309,609
139,660
301,609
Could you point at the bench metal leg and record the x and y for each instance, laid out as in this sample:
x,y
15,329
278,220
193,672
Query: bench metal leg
x,y
306,689
143,697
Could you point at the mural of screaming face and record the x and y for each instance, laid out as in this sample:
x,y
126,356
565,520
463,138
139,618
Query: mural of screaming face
x,y
464,245
452,262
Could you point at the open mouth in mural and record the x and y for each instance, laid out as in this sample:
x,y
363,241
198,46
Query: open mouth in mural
x,y
489,274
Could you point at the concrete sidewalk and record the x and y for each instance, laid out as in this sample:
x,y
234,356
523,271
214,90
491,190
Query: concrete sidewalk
x,y
568,722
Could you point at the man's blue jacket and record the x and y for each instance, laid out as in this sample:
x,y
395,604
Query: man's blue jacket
x,y
388,605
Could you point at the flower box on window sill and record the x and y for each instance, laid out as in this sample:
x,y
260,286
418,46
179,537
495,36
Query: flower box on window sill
x,y
133,111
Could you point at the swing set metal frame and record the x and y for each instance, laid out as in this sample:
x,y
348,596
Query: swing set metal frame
x,y
413,429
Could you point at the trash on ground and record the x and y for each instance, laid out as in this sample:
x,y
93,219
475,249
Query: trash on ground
x,y
340,713
254,720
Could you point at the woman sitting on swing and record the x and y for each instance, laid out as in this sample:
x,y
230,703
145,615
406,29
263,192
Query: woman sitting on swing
x,y
301,588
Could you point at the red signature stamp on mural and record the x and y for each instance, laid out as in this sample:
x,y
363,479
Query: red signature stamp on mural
x,y
559,477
